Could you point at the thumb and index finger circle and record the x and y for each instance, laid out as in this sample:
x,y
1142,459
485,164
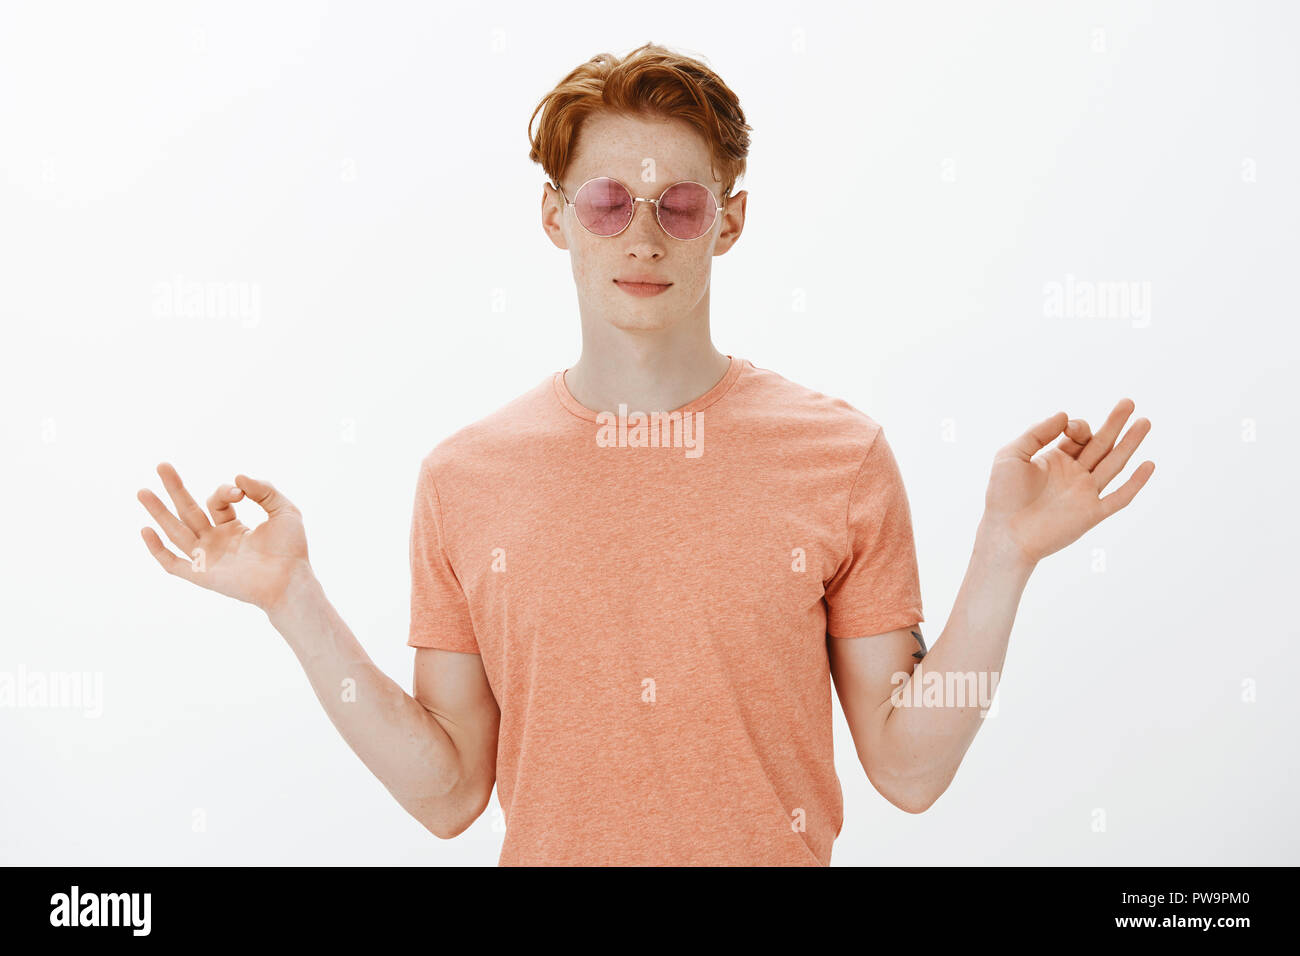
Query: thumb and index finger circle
x,y
266,495
1036,439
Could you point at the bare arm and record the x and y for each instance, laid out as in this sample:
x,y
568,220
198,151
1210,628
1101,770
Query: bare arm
x,y
435,754
909,746
913,720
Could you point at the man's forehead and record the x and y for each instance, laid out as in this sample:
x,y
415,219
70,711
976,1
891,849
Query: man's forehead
x,y
638,150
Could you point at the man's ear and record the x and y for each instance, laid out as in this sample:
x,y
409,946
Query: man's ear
x,y
733,222
552,216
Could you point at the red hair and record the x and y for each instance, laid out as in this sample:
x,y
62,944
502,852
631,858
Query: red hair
x,y
650,80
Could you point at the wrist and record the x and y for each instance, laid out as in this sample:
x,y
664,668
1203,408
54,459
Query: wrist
x,y
995,543
300,587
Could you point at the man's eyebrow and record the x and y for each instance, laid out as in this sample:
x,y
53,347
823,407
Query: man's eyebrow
x,y
632,186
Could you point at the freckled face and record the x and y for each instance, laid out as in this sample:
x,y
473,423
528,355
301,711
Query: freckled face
x,y
646,154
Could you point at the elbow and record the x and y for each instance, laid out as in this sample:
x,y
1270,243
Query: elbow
x,y
902,789
916,799
446,826
455,814
912,803
443,831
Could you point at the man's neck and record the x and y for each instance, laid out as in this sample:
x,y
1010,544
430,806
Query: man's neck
x,y
645,380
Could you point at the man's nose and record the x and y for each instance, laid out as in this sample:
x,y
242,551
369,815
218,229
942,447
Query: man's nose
x,y
649,207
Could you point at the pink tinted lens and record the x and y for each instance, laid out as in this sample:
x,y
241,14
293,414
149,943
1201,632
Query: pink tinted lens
x,y
603,206
687,210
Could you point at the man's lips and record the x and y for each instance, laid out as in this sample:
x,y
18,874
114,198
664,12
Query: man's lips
x,y
642,287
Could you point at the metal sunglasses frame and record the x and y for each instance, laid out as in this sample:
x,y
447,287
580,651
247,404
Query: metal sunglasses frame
x,y
718,207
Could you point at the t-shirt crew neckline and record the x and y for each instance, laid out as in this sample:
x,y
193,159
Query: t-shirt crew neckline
x,y
723,385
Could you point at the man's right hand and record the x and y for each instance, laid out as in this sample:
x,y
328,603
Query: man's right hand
x,y
223,554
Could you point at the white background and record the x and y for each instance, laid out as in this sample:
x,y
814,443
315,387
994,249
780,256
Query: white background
x,y
919,174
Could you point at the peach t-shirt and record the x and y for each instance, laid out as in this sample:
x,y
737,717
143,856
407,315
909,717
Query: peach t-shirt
x,y
651,600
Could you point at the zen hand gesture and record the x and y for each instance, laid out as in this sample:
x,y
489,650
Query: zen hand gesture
x,y
1043,504
223,555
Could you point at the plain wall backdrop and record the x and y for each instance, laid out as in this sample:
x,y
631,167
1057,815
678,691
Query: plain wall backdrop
x,y
926,180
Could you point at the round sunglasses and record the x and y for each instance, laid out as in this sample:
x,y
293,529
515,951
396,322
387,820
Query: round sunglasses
x,y
605,207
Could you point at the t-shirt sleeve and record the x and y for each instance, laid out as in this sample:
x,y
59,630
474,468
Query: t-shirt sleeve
x,y
439,609
877,586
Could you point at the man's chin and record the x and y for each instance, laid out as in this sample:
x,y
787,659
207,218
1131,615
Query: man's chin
x,y
648,320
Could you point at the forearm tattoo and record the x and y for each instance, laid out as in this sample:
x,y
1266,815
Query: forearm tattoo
x,y
921,653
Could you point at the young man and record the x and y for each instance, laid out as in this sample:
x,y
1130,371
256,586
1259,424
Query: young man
x,y
632,585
